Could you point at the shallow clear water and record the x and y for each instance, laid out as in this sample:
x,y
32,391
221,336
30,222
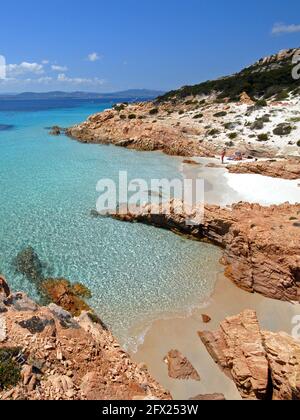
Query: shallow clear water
x,y
48,187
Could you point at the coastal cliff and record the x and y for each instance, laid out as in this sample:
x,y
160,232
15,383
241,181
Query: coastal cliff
x,y
261,244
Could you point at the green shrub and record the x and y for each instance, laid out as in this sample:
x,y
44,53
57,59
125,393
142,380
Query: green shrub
x,y
10,370
232,136
153,111
119,107
229,144
263,137
294,119
181,112
230,125
220,114
257,125
298,143
213,132
261,103
131,116
281,96
123,117
283,129
198,116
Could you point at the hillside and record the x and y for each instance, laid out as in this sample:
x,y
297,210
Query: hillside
x,y
267,77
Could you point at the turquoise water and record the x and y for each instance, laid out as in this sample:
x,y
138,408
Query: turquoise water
x,y
48,187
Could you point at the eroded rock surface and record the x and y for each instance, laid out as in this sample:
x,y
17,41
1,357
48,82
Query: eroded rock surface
x,y
263,365
53,356
261,244
286,169
180,368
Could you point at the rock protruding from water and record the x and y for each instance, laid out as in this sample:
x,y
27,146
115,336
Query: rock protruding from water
x,y
56,130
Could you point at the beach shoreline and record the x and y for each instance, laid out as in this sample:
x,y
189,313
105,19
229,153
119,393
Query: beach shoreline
x,y
181,333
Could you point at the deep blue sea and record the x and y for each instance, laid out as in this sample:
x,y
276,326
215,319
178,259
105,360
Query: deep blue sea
x,y
136,273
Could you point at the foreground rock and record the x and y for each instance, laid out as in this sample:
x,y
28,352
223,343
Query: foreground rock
x,y
180,368
286,169
261,244
209,397
45,354
263,365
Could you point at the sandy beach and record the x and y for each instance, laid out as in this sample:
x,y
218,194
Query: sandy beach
x,y
181,334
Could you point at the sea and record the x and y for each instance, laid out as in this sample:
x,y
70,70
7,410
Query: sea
x,y
137,274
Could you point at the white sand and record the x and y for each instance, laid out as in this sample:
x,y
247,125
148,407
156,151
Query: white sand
x,y
223,188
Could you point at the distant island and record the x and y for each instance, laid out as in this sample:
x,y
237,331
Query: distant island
x,y
133,94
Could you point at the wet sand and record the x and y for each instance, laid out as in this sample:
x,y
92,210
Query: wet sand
x,y
181,334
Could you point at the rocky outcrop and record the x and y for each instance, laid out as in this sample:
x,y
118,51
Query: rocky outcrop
x,y
263,365
135,127
180,368
45,354
286,169
261,244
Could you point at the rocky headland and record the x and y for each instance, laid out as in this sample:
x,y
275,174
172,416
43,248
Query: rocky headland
x,y
252,112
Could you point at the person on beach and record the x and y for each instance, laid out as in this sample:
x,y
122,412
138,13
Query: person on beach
x,y
223,155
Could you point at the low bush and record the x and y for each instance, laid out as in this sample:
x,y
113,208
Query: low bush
x,y
232,136
220,114
283,129
131,116
263,137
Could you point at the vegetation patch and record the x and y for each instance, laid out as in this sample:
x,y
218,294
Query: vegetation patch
x,y
232,136
198,116
131,116
220,114
263,137
283,129
10,370
154,111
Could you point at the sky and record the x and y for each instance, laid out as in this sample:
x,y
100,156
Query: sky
x,y
107,46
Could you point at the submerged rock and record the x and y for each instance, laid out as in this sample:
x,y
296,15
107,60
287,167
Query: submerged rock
x,y
28,263
56,130
68,296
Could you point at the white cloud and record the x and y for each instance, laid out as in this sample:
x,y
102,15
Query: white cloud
x,y
79,80
94,57
281,28
23,68
45,62
45,80
59,68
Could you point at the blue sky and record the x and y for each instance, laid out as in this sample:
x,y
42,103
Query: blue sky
x,y
104,46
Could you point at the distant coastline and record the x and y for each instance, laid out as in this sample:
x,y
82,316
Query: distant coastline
x,y
131,94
